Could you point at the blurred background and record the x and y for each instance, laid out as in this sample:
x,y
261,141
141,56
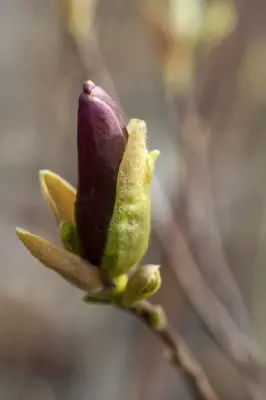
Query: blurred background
x,y
196,72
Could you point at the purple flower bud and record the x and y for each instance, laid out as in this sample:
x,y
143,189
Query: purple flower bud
x,y
101,142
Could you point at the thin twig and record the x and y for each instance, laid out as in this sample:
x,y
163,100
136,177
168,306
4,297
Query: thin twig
x,y
180,355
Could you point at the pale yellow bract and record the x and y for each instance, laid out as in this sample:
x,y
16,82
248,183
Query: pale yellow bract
x,y
60,195
69,266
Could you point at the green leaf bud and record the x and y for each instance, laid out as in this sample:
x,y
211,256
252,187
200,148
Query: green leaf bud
x,y
144,282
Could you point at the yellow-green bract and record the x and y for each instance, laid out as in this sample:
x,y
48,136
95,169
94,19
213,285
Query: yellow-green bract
x,y
129,230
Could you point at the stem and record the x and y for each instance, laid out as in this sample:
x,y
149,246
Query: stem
x,y
153,317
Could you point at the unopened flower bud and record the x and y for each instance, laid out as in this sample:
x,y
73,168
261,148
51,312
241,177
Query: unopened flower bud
x,y
101,143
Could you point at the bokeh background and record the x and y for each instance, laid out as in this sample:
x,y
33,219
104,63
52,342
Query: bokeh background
x,y
196,72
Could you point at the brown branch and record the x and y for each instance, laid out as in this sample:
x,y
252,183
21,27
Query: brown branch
x,y
180,354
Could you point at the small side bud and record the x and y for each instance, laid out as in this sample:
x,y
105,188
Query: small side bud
x,y
141,285
157,318
69,237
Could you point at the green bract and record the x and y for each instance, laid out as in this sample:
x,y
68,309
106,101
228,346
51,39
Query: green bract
x,y
129,229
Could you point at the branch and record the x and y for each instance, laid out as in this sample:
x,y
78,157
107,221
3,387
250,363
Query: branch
x,y
86,277
180,354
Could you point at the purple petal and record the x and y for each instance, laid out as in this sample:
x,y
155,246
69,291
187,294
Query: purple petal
x,y
101,141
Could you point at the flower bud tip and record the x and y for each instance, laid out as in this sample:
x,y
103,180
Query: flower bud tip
x,y
88,87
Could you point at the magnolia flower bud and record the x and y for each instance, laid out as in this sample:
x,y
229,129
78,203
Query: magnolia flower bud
x,y
101,143
144,282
